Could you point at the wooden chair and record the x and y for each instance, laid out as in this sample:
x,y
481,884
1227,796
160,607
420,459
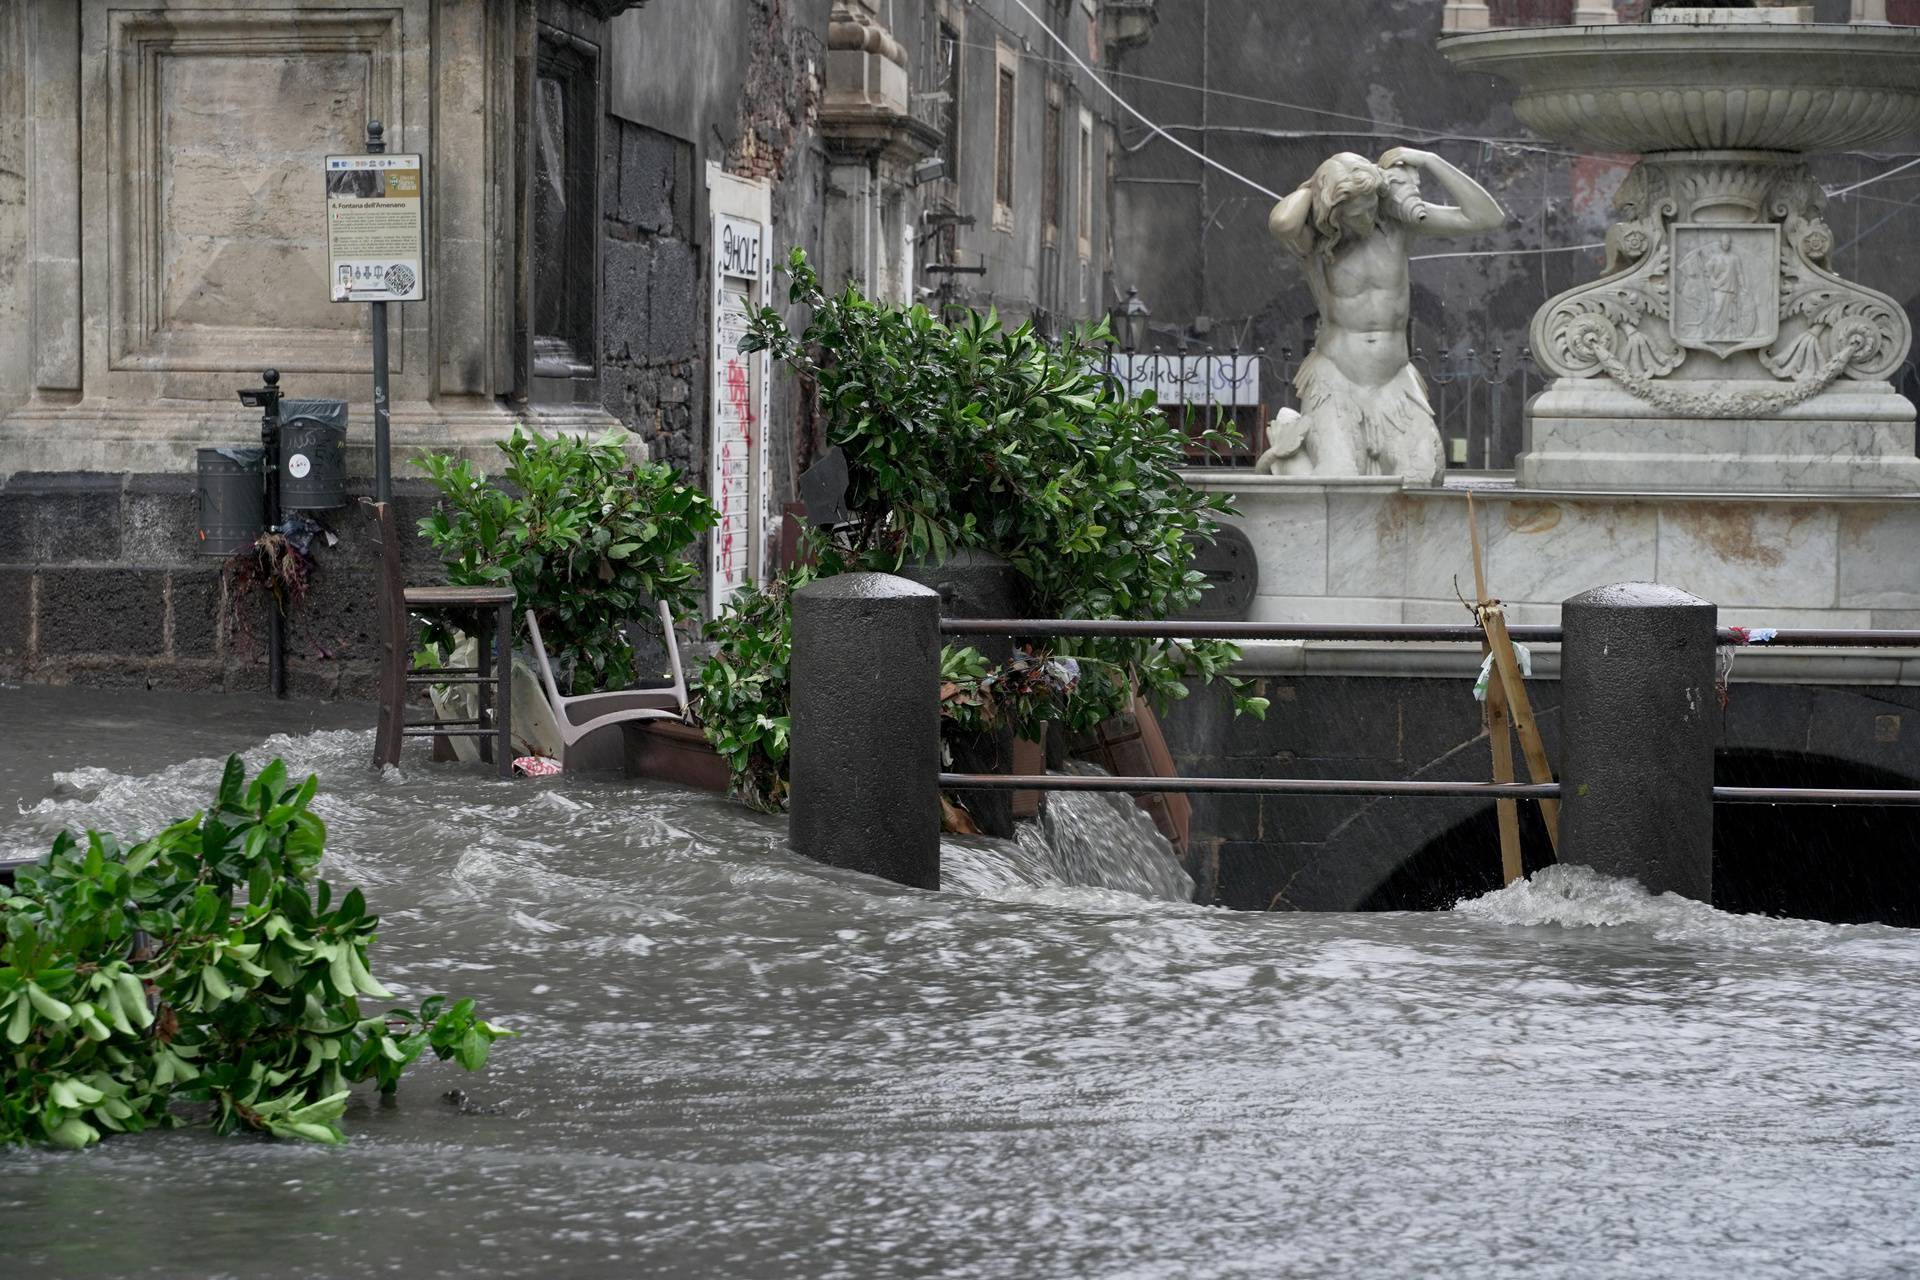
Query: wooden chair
x,y
581,714
488,612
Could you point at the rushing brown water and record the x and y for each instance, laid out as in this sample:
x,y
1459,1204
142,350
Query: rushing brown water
x,y
737,1063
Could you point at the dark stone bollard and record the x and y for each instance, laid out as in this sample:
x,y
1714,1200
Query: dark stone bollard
x,y
979,584
866,727
1637,732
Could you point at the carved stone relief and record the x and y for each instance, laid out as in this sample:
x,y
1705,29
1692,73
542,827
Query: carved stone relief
x,y
1712,258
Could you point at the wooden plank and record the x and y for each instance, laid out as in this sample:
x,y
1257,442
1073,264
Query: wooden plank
x,y
1539,767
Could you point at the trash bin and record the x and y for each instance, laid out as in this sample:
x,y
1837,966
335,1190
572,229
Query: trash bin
x,y
313,454
232,502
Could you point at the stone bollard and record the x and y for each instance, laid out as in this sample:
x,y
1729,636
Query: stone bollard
x,y
865,735
1637,734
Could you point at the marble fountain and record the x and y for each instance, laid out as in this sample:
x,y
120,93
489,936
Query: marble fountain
x,y
1720,417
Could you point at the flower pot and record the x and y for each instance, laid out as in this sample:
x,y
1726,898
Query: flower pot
x,y
670,751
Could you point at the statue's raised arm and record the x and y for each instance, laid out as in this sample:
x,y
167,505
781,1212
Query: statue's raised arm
x,y
1476,211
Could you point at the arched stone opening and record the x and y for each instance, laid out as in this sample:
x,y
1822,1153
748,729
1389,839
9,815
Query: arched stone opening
x,y
1848,864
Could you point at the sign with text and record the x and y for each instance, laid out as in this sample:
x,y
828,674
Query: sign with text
x,y
374,247
1226,382
738,247
738,481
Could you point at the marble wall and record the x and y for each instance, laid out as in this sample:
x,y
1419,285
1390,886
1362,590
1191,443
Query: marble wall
x,y
1370,551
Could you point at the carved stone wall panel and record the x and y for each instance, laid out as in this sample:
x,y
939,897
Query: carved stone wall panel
x,y
216,121
52,41
16,356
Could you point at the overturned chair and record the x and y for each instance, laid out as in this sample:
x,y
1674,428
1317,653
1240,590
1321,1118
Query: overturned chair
x,y
581,714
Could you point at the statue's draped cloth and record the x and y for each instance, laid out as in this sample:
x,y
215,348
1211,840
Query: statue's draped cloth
x,y
1356,430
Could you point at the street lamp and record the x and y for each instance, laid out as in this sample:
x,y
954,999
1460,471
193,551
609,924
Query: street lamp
x,y
1133,321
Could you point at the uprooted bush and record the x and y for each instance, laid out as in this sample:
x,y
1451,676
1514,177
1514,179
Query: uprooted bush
x,y
207,964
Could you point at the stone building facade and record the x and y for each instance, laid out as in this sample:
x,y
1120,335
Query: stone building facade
x,y
162,241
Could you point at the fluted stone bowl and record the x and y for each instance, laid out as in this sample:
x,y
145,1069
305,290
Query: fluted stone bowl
x,y
1705,87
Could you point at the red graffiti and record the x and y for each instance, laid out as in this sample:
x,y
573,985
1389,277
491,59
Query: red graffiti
x,y
740,398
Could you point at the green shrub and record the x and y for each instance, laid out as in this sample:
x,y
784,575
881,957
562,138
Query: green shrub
x,y
972,436
131,979
586,537
744,688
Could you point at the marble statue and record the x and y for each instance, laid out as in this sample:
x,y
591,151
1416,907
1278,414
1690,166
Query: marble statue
x,y
1364,408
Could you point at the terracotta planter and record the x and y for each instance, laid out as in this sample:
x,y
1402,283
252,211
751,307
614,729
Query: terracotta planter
x,y
674,752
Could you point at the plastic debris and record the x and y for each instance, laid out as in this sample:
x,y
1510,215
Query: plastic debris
x,y
536,767
1521,654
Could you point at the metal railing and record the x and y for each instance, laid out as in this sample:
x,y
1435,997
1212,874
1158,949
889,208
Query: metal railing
x,y
1810,637
1479,394
1437,633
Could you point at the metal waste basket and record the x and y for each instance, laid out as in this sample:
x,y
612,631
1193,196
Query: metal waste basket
x,y
313,454
232,501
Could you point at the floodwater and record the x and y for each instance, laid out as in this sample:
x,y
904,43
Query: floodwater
x,y
736,1063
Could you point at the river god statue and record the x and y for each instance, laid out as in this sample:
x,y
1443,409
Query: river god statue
x,y
1364,408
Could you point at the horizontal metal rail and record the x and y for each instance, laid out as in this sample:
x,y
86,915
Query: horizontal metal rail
x,y
1384,787
1812,795
1402,633
1821,638
1264,786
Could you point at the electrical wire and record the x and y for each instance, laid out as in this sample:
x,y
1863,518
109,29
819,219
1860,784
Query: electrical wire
x,y
1882,177
1133,111
1511,253
1156,130
1419,134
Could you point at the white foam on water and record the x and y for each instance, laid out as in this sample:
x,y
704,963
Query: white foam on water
x,y
1580,897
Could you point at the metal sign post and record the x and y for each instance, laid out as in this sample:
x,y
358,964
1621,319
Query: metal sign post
x,y
382,422
375,255
266,398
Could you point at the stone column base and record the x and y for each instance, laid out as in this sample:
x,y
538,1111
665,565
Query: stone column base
x,y
1590,434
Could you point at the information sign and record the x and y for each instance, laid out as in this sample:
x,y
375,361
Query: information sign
x,y
373,229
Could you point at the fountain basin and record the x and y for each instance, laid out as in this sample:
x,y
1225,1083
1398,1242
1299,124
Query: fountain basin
x,y
1705,86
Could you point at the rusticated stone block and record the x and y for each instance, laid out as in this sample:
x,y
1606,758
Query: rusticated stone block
x,y
628,266
196,613
62,517
103,611
673,299
161,515
16,612
338,621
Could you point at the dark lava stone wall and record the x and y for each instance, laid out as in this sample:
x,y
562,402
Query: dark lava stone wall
x,y
1334,853
100,585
